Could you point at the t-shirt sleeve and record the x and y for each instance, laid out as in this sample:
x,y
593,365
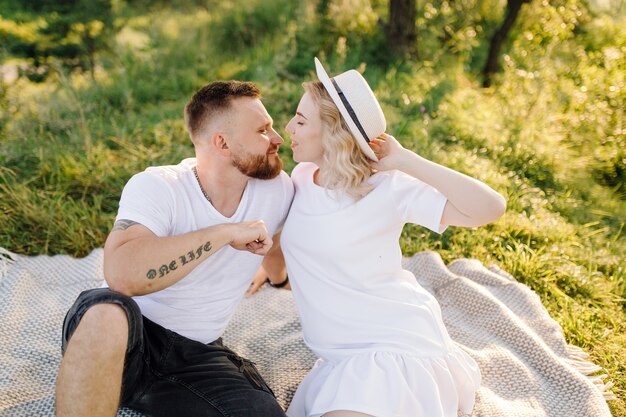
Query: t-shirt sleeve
x,y
147,200
418,202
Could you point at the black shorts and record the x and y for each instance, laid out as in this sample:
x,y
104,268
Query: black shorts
x,y
166,374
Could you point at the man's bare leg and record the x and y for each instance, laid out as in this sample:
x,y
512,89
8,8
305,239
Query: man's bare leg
x,y
90,376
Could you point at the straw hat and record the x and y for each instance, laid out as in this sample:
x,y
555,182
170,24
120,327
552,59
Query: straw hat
x,y
357,104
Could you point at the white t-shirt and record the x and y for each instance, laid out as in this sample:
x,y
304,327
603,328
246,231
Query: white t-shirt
x,y
168,201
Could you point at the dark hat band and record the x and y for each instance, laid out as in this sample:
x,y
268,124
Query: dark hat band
x,y
351,112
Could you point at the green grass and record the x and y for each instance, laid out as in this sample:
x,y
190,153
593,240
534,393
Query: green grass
x,y
550,135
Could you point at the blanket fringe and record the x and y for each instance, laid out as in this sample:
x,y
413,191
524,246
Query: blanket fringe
x,y
579,359
6,259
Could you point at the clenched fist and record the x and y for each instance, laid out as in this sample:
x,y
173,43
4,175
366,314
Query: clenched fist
x,y
250,236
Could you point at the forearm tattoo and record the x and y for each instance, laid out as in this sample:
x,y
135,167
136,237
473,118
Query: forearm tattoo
x,y
123,224
192,255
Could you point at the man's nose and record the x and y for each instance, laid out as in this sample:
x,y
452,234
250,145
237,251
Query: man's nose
x,y
276,138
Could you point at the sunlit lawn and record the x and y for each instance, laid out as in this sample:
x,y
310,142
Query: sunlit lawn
x,y
544,136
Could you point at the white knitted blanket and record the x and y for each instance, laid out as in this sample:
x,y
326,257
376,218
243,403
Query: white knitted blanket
x,y
527,368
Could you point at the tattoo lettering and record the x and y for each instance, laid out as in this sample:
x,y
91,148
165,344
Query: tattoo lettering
x,y
192,255
123,224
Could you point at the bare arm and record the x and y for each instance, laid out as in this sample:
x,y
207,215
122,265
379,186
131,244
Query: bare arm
x,y
138,262
273,268
274,262
470,202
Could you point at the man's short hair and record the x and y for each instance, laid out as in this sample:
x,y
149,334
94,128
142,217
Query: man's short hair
x,y
213,99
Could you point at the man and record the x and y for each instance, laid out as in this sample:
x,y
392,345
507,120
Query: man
x,y
180,256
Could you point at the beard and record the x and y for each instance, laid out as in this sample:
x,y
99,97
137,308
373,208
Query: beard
x,y
262,167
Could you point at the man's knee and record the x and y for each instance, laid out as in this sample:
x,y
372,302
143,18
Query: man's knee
x,y
90,374
104,323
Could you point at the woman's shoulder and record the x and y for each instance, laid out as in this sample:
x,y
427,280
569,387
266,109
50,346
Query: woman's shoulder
x,y
303,170
381,178
303,166
393,178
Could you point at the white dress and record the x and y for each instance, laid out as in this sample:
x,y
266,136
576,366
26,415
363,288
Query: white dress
x,y
382,346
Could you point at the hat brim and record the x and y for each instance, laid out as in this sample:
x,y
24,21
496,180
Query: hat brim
x,y
325,80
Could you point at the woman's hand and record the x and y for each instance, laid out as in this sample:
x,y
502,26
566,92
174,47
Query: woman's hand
x,y
389,151
258,280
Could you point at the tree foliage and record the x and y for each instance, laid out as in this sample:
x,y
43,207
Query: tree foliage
x,y
69,32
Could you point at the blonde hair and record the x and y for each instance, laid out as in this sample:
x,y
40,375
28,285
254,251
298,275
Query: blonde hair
x,y
347,169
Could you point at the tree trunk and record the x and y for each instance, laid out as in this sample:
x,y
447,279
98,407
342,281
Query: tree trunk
x,y
492,65
401,32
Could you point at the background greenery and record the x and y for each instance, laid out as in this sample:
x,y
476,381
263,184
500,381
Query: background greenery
x,y
92,92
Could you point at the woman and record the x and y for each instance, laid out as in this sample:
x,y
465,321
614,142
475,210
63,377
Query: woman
x,y
382,344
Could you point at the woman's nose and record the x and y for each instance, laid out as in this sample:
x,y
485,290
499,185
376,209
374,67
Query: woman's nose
x,y
288,127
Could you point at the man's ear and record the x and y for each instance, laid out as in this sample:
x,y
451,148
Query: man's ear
x,y
219,140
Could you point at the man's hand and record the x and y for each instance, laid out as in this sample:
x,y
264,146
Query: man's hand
x,y
251,236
